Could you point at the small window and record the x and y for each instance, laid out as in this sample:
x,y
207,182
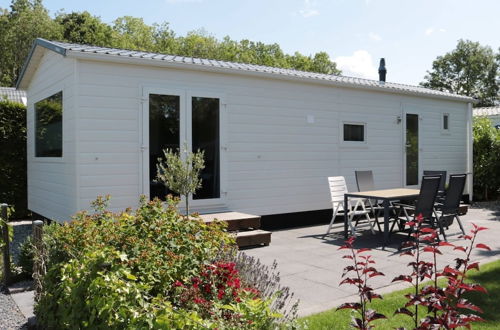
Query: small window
x,y
446,121
48,126
354,132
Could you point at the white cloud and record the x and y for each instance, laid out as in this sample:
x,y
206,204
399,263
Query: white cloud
x,y
431,30
374,36
359,64
309,9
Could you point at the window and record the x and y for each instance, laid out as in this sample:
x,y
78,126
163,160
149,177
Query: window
x,y
169,128
48,126
446,121
205,134
354,132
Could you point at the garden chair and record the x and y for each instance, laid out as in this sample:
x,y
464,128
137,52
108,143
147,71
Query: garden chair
x,y
448,210
423,206
338,188
442,182
364,181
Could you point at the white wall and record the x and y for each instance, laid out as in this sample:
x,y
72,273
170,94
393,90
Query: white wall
x,y
52,181
276,161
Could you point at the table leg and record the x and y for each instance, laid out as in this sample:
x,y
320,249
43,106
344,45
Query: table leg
x,y
346,210
386,222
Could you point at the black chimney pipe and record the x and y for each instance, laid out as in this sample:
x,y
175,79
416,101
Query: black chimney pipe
x,y
382,71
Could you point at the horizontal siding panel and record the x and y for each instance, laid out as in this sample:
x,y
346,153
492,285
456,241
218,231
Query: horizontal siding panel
x,y
109,147
109,135
108,169
99,113
117,159
108,180
277,162
108,124
101,190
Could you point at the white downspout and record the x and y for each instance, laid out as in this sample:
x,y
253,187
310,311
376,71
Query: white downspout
x,y
470,164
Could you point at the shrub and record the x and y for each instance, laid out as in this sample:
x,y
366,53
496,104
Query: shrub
x,y
26,257
446,307
151,268
13,156
486,151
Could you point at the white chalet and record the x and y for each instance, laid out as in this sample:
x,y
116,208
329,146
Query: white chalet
x,y
98,119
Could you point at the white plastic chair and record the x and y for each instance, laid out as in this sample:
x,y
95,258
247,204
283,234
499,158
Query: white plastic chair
x,y
338,188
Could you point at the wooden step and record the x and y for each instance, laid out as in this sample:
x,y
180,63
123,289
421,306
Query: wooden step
x,y
253,238
462,209
235,220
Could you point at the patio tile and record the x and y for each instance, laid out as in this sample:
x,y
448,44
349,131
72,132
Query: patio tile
x,y
312,266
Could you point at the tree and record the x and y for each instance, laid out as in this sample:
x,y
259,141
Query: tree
x,y
83,28
470,69
133,33
180,172
26,21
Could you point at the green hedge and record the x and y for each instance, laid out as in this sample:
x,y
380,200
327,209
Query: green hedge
x,y
486,159
13,156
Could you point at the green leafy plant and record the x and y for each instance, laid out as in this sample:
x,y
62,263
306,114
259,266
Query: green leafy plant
x,y
13,181
486,151
148,268
26,252
180,172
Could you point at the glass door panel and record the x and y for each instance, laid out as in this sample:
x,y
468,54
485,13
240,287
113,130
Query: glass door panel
x,y
412,149
205,130
164,133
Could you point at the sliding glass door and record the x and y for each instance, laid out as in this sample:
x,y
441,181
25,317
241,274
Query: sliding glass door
x,y
173,119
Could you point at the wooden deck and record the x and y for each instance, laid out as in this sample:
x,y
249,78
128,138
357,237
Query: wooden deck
x,y
246,227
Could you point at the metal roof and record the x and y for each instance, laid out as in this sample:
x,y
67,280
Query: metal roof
x,y
68,49
486,111
12,94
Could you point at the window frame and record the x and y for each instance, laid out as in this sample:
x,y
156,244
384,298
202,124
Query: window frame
x,y
49,159
186,93
354,143
447,129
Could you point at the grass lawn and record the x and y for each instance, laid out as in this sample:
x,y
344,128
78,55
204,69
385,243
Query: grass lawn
x,y
488,276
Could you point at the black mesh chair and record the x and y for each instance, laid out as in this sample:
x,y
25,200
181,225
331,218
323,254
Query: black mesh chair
x,y
442,182
448,210
425,203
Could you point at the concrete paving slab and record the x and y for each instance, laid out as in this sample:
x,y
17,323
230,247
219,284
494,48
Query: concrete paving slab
x,y
312,265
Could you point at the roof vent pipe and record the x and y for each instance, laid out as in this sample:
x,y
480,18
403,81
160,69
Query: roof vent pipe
x,y
382,71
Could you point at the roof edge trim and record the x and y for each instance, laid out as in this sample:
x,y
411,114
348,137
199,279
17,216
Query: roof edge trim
x,y
184,66
42,43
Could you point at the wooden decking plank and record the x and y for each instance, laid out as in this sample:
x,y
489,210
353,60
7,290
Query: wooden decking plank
x,y
235,220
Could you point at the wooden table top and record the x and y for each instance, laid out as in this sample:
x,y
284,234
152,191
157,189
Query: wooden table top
x,y
396,193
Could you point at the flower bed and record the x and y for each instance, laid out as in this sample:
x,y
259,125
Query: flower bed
x,y
151,268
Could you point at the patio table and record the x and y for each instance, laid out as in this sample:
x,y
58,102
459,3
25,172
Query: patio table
x,y
384,195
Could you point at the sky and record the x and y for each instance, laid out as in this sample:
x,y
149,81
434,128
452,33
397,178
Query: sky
x,y
355,33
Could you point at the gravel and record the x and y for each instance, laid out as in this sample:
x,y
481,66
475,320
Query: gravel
x,y
10,315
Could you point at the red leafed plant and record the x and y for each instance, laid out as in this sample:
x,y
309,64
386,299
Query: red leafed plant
x,y
444,305
358,274
219,281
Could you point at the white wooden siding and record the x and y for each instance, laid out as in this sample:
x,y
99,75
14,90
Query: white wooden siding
x,y
52,186
277,162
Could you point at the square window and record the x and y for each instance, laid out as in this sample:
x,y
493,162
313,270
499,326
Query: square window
x,y
446,121
48,126
354,132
